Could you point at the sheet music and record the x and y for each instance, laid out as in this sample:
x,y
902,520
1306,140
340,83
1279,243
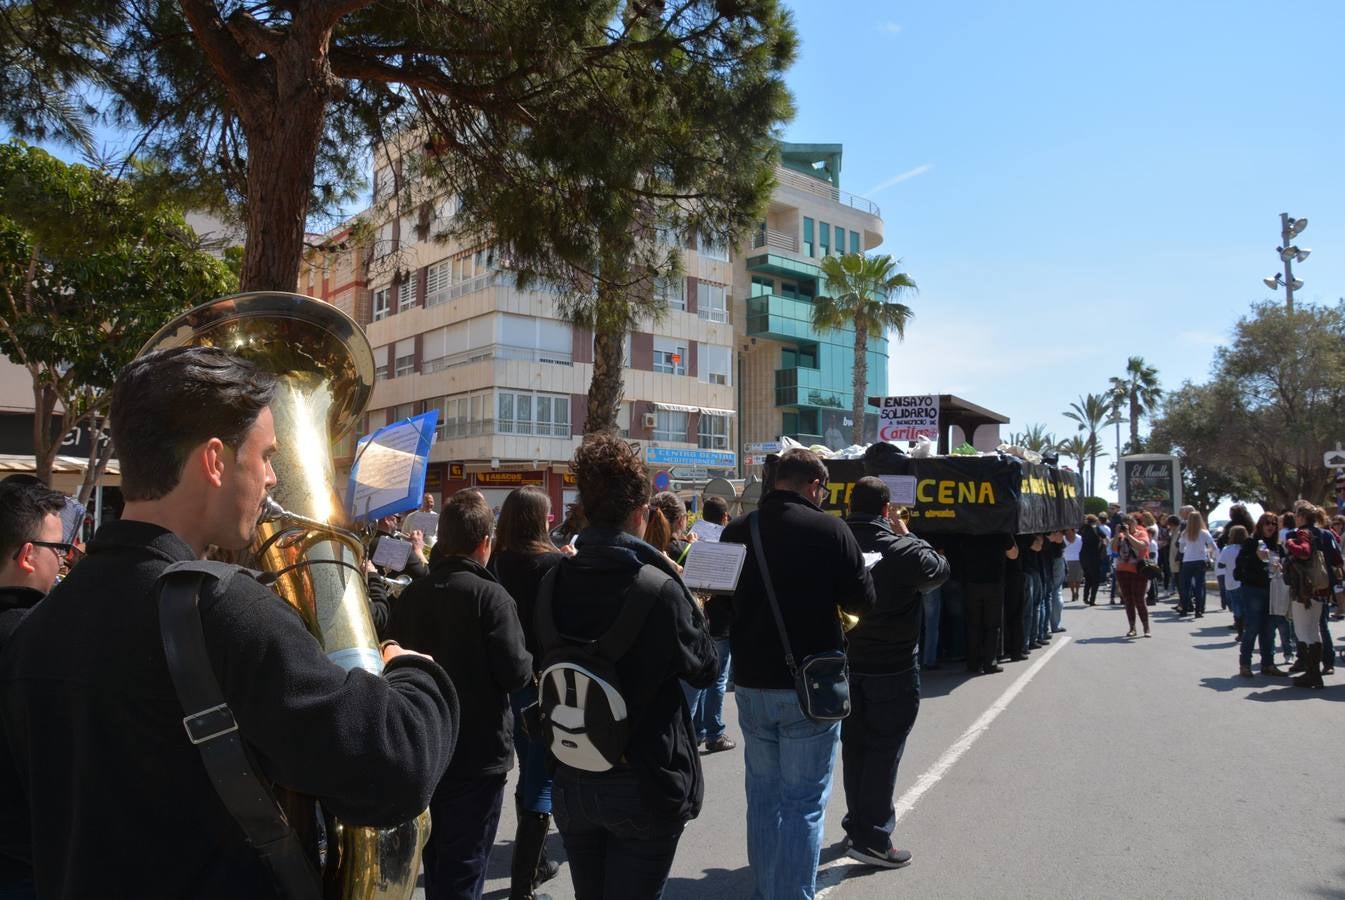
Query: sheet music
x,y
872,559
707,531
392,553
713,566
902,488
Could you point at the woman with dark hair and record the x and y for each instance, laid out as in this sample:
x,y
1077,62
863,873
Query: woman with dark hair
x,y
621,825
1251,571
674,513
522,554
1131,545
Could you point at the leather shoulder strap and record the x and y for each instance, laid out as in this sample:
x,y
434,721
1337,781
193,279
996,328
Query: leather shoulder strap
x,y
211,727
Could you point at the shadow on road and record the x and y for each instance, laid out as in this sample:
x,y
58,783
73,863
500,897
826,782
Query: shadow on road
x,y
1223,685
1335,692
1119,639
1228,645
712,883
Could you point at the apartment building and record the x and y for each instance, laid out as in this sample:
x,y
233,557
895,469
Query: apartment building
x,y
508,374
735,360
795,380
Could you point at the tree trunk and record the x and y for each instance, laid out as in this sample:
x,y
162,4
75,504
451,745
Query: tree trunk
x,y
606,388
1092,472
282,155
100,453
859,382
45,446
1134,424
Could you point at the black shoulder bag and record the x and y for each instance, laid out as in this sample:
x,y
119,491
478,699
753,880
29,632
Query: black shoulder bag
x,y
212,729
823,680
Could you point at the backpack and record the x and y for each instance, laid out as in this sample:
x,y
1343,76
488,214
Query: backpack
x,y
585,718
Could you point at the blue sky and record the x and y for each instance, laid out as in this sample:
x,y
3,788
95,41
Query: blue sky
x,y
1070,183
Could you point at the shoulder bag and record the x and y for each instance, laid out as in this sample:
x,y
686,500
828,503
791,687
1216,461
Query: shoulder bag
x,y
822,681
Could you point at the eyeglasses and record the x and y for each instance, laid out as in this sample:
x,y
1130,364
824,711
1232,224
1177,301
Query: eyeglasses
x,y
67,553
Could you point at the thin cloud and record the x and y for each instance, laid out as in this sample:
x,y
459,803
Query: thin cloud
x,y
898,179
890,27
1202,338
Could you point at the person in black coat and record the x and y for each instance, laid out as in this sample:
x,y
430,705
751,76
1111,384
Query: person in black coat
x,y
85,687
621,827
32,550
884,670
521,556
461,615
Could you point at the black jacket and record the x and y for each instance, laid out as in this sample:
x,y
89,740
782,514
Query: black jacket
x,y
673,645
462,617
1249,568
85,690
815,565
885,639
15,845
521,573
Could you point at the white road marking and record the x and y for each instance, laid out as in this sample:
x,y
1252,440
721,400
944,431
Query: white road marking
x,y
830,876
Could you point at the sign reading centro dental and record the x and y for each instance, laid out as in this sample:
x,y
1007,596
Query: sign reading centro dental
x,y
710,459
908,418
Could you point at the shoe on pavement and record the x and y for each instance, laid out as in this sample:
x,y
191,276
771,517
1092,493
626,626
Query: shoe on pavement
x,y
1146,633
891,859
1130,633
1246,672
719,744
991,669
1273,669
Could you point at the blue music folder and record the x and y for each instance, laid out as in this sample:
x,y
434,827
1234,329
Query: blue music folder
x,y
388,475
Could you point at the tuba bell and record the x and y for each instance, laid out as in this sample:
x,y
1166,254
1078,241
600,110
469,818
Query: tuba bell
x,y
324,369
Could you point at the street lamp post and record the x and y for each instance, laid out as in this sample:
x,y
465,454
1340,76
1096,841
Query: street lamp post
x,y
1289,254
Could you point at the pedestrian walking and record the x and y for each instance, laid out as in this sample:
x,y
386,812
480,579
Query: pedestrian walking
x,y
1073,567
884,671
1198,551
813,565
1131,546
1251,572
1092,550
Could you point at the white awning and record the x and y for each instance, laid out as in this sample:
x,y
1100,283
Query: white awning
x,y
678,407
67,472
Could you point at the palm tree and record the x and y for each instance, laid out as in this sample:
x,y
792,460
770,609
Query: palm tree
x,y
859,292
45,77
1036,438
1083,450
1139,389
1092,412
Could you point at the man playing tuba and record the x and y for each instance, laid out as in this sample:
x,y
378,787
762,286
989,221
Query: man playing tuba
x,y
123,804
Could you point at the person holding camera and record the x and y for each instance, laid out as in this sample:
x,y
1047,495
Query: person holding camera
x,y
1131,546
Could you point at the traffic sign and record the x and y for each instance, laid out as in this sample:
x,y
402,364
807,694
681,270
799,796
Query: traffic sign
x,y
763,447
1335,458
662,480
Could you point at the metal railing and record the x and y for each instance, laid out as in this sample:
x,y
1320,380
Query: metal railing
x,y
462,289
460,428
825,190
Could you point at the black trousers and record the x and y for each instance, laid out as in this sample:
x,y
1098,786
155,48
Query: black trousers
x,y
1013,613
985,614
873,737
465,816
1092,577
617,849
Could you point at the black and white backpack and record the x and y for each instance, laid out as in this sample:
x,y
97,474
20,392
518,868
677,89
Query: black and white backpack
x,y
585,718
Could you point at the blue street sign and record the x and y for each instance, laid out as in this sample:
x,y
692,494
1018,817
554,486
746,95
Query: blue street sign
x,y
711,459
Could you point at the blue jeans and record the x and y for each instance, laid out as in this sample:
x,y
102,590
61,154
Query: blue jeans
x,y
1032,591
1192,582
929,640
1328,649
1253,604
1057,604
706,705
466,814
789,762
533,791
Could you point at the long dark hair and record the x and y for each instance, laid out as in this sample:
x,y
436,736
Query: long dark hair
x,y
522,526
1268,518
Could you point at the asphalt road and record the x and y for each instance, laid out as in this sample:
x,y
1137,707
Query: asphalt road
x,y
1101,767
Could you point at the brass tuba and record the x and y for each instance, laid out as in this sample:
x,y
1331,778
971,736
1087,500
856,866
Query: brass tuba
x,y
325,370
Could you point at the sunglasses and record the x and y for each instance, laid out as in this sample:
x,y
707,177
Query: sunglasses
x,y
67,553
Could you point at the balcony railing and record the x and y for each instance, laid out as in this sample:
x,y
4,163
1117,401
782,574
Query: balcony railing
x,y
825,190
777,240
461,428
462,289
497,351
